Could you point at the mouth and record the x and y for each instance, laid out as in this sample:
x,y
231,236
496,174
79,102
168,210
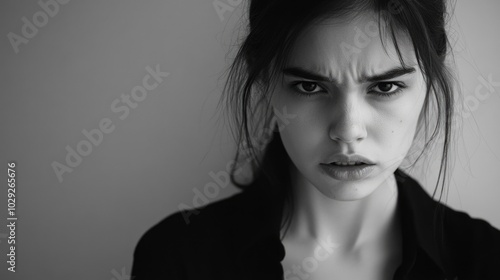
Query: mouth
x,y
348,171
348,160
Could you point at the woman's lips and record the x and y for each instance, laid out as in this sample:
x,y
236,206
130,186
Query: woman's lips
x,y
349,158
348,172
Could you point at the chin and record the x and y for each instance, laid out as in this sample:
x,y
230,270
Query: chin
x,y
347,191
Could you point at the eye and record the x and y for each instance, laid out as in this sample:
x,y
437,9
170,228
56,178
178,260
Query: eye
x,y
307,88
387,89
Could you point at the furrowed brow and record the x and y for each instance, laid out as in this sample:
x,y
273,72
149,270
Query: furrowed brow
x,y
303,73
389,74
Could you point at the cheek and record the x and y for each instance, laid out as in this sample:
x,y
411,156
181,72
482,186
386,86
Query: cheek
x,y
409,112
395,125
301,132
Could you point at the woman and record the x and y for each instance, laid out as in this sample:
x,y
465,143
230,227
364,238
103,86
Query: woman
x,y
348,88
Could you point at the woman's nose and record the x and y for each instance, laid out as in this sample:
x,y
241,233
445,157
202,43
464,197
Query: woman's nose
x,y
347,124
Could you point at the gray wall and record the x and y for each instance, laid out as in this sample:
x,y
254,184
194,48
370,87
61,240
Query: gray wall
x,y
71,75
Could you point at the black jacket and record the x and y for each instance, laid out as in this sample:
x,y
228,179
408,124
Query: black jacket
x,y
238,238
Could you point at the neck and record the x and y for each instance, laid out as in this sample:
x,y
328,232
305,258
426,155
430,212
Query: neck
x,y
349,224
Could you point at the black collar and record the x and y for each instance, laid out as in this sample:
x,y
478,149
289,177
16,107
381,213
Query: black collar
x,y
420,220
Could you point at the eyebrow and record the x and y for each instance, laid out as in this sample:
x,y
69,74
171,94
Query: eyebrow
x,y
389,74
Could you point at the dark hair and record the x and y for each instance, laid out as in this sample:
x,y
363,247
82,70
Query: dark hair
x,y
274,25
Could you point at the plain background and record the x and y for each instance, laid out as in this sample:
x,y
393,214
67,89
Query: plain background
x,y
65,78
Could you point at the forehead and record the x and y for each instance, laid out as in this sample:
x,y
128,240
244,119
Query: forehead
x,y
349,48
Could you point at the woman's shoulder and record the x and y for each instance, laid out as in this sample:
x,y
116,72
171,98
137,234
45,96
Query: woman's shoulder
x,y
465,231
472,245
456,241
216,224
188,237
457,224
202,220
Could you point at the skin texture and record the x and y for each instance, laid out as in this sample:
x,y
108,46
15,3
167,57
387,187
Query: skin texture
x,y
348,117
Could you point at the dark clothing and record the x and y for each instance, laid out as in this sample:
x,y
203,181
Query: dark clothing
x,y
238,238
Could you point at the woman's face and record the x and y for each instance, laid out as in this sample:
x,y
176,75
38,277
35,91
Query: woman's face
x,y
350,96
